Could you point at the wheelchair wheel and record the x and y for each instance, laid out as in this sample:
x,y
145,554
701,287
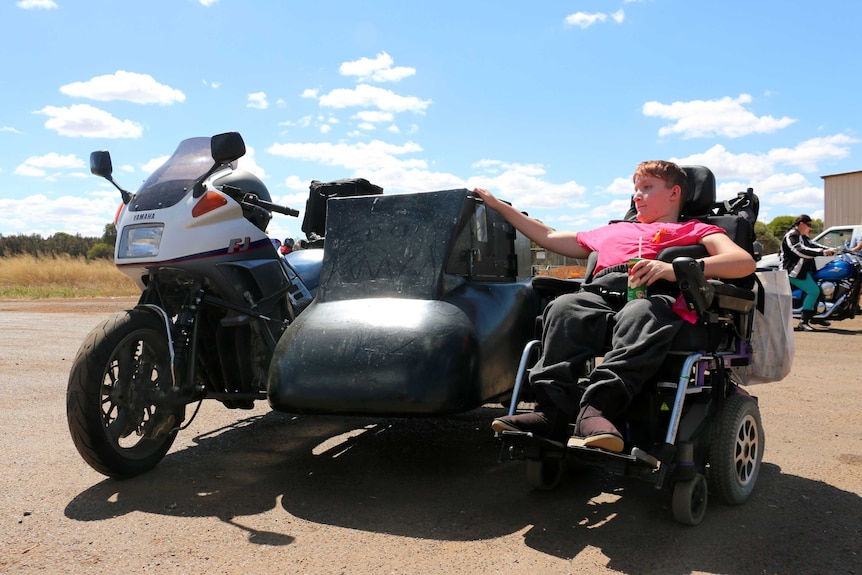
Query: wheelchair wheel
x,y
544,474
737,450
689,500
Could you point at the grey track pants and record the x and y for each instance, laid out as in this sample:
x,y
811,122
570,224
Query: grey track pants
x,y
579,326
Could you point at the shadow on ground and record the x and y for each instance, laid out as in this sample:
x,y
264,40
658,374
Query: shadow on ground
x,y
440,479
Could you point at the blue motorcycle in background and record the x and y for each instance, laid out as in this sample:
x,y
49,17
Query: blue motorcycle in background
x,y
840,281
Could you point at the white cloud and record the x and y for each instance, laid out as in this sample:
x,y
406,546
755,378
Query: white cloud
x,y
366,96
86,215
295,183
122,85
249,163
374,116
804,156
257,101
83,120
377,70
762,172
362,155
309,93
707,118
32,4
208,2
522,185
586,19
37,166
10,129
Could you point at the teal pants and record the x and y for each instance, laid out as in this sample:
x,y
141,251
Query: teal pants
x,y
810,288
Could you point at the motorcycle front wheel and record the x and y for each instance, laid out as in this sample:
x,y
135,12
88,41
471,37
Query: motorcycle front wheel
x,y
115,399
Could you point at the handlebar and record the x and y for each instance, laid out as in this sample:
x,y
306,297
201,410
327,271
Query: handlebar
x,y
254,200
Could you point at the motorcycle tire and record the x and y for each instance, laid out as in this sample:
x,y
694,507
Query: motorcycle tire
x,y
112,399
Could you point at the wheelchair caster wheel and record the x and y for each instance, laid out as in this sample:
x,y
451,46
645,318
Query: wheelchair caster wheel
x,y
544,474
689,500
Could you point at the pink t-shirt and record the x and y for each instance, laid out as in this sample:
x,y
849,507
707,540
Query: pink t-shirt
x,y
618,242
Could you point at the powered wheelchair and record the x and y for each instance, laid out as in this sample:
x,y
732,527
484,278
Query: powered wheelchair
x,y
692,428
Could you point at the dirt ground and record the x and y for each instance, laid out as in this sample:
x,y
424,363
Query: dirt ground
x,y
263,492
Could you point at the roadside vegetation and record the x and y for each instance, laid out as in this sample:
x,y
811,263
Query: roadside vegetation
x,y
61,276
66,266
61,266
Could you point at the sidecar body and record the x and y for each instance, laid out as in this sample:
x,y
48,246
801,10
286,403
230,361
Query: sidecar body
x,y
423,306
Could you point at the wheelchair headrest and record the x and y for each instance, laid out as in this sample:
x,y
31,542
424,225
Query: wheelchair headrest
x,y
700,195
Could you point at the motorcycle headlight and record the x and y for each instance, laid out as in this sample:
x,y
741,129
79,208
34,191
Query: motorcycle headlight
x,y
140,241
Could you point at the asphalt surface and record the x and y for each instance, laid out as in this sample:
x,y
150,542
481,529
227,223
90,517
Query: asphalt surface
x,y
264,492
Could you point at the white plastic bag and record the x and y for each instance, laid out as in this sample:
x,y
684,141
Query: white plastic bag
x,y
772,339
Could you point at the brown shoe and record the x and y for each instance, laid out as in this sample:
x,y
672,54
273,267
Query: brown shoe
x,y
535,422
592,429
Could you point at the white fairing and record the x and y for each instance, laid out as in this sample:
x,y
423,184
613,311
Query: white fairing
x,y
176,235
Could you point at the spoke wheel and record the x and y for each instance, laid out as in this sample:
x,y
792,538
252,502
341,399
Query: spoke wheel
x,y
115,405
736,451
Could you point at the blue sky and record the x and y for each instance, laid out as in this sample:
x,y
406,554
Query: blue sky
x,y
550,104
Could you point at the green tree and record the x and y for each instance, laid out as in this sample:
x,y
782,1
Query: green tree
x,y
779,226
100,250
110,235
766,238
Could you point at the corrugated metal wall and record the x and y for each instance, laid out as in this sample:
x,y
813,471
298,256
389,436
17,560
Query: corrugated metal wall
x,y
842,199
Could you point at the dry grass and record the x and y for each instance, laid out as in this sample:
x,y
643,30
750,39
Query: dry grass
x,y
31,277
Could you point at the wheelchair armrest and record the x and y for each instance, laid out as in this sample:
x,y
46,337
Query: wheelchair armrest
x,y
732,297
550,287
698,292
671,253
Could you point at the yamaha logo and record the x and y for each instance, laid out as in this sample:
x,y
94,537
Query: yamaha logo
x,y
145,216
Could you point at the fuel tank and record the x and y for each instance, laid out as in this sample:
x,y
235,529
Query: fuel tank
x,y
836,269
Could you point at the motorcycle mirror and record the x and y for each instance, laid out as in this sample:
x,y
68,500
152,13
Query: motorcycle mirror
x,y
100,163
227,147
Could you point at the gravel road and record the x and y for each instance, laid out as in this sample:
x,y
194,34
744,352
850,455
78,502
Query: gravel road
x,y
263,492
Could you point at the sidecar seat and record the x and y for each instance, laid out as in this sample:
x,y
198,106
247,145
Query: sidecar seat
x,y
692,422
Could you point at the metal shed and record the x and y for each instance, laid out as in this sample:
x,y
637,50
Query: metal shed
x,y
842,198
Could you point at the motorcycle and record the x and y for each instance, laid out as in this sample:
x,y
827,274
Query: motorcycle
x,y
419,304
840,282
215,298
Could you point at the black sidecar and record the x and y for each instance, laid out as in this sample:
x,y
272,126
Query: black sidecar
x,y
423,307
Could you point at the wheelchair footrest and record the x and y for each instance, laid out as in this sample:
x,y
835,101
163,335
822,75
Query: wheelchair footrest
x,y
526,439
525,445
618,463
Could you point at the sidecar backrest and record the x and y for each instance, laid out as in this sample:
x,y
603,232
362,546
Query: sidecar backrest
x,y
416,245
314,222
